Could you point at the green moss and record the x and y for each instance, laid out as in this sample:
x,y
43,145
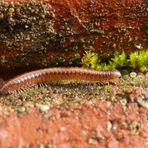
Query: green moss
x,y
119,60
137,60
90,59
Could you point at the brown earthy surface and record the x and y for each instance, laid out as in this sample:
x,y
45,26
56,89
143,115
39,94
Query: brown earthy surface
x,y
76,116
69,29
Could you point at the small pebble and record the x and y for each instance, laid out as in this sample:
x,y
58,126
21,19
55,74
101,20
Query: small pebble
x,y
133,74
92,141
43,108
143,100
21,109
139,46
109,126
40,146
62,129
146,95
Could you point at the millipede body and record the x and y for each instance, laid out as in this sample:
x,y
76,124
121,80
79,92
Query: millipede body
x,y
54,74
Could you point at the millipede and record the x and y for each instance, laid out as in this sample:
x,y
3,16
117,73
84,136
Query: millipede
x,y
53,74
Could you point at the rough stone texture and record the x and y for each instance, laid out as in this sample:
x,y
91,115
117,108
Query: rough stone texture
x,y
89,126
76,116
48,32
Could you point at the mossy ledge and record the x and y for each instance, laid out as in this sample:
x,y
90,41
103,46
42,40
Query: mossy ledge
x,y
137,60
46,33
